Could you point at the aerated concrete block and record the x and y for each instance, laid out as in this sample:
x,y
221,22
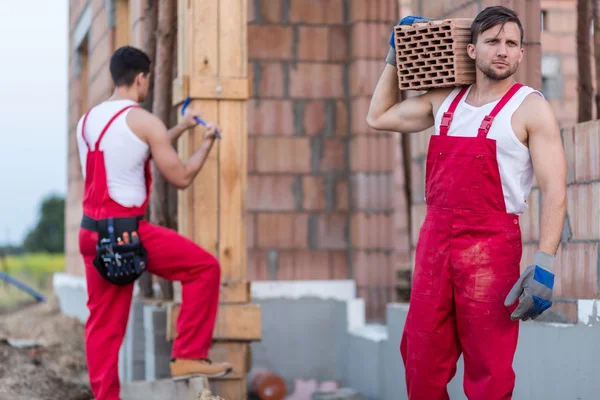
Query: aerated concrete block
x,y
434,54
157,349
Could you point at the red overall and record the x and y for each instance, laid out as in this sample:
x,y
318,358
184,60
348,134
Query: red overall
x,y
467,259
170,256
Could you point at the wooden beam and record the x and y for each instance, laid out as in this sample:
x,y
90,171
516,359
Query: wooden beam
x,y
229,389
230,293
234,352
240,322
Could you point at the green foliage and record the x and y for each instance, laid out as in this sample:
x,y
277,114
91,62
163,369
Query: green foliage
x,y
48,236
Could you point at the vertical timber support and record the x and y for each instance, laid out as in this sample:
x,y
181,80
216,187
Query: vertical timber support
x,y
212,59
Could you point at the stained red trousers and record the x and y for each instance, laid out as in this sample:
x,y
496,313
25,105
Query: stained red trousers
x,y
170,256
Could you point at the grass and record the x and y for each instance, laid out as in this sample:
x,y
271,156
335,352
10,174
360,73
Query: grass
x,y
34,270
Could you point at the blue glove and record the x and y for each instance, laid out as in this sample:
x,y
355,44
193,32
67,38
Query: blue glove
x,y
533,289
411,19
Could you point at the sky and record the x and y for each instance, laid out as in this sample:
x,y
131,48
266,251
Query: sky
x,y
33,110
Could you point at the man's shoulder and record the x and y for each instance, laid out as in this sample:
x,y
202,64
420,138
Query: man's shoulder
x,y
535,104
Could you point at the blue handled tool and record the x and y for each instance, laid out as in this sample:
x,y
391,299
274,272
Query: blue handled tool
x,y
199,120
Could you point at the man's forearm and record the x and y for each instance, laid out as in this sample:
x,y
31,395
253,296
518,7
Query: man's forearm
x,y
554,208
196,161
176,131
386,93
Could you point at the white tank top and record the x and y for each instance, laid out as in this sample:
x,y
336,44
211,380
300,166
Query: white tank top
x,y
514,159
125,154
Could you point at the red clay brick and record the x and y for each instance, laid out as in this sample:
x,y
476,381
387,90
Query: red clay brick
x,y
304,265
251,230
562,21
373,10
251,14
313,192
98,30
464,12
339,265
418,212
566,310
313,43
584,211
269,41
270,117
271,193
341,195
271,79
332,231
334,155
530,220
371,153
339,40
284,231
577,271
341,118
370,40
291,155
371,231
257,265
319,11
360,109
570,88
314,117
364,75
372,191
587,151
316,80
251,154
569,146
569,65
270,11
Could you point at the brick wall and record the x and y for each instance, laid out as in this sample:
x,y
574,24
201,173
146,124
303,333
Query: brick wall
x,y
91,42
321,183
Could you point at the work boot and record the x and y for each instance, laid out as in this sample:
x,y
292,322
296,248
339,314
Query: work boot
x,y
182,368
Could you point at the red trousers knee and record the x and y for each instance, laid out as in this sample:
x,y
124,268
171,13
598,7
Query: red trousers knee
x,y
464,268
170,256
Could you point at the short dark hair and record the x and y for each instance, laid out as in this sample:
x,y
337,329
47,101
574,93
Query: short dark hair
x,y
492,16
126,63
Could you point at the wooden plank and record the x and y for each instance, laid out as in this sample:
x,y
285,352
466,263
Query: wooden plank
x,y
234,322
232,193
205,206
233,55
230,293
235,353
229,389
206,87
205,37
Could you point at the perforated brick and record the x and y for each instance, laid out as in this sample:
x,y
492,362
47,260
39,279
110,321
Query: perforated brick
x,y
434,54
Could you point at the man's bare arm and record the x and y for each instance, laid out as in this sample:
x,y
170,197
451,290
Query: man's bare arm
x,y
414,114
550,167
177,130
152,130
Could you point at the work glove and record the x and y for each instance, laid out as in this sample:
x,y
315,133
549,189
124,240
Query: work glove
x,y
533,289
411,19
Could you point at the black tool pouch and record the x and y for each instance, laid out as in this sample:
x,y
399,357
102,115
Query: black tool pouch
x,y
120,256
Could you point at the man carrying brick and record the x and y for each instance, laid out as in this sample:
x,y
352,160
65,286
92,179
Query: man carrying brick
x,y
116,140
490,139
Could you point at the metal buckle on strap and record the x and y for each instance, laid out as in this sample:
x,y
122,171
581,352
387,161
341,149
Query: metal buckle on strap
x,y
486,124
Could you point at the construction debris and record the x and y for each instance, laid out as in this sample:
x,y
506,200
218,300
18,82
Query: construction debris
x,y
434,54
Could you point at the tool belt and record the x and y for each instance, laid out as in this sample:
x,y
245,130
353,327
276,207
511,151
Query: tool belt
x,y
120,256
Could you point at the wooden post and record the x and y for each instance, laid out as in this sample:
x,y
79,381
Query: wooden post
x,y
213,70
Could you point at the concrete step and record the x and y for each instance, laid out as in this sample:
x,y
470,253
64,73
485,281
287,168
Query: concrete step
x,y
165,389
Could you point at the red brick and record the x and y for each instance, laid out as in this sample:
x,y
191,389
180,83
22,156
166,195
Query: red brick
x,y
341,118
562,21
257,265
372,153
577,271
271,193
435,9
251,13
372,191
339,40
251,154
319,11
570,91
417,181
372,230
316,80
271,79
314,117
568,139
284,231
313,43
334,155
332,231
291,155
341,195
373,10
364,75
270,117
417,217
370,40
569,66
270,11
98,30
313,192
584,211
464,12
566,310
530,220
339,265
304,265
251,230
587,151
360,109
269,41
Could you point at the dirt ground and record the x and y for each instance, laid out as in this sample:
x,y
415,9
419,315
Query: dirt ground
x,y
56,369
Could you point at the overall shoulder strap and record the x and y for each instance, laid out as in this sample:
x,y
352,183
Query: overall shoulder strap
x,y
486,124
447,117
110,123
